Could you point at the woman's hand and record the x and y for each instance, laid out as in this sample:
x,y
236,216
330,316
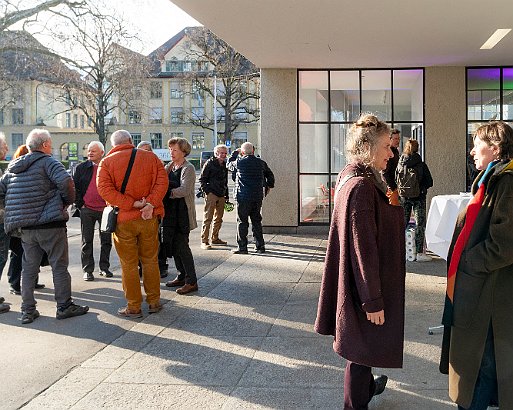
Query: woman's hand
x,y
378,318
140,204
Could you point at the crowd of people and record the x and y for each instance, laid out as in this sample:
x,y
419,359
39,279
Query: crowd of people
x,y
154,206
362,297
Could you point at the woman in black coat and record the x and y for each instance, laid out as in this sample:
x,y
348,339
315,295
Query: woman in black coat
x,y
362,292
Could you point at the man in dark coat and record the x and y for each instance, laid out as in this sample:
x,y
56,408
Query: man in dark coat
x,y
214,185
90,205
37,190
253,177
389,172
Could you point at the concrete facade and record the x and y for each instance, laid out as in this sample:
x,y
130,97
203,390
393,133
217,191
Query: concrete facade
x,y
279,146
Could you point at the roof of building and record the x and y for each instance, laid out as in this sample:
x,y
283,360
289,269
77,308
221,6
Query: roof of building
x,y
157,56
22,57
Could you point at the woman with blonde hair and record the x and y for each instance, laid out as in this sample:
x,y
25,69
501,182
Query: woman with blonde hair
x,y
361,302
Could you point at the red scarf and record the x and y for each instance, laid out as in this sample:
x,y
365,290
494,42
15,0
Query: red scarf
x,y
472,211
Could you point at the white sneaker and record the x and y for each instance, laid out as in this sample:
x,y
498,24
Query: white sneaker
x,y
205,245
422,257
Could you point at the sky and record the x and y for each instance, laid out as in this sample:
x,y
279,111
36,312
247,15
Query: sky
x,y
156,20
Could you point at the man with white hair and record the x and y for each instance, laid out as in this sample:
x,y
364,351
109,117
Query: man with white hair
x,y
90,205
36,191
253,177
214,185
140,208
4,238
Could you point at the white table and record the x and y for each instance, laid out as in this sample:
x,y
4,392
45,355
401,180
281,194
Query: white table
x,y
441,220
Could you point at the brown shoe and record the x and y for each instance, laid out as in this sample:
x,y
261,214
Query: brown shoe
x,y
187,288
219,242
175,283
157,307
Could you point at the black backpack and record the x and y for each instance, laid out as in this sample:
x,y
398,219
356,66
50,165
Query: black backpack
x,y
407,182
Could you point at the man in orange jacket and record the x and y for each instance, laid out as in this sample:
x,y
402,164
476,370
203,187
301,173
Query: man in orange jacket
x,y
140,208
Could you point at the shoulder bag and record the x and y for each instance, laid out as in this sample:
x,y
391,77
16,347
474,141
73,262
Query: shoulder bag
x,y
110,212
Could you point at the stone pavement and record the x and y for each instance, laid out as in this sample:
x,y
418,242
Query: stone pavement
x,y
245,340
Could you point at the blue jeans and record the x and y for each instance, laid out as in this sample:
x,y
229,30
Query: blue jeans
x,y
486,390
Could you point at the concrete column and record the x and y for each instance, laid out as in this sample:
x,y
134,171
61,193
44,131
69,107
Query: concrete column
x,y
279,147
446,129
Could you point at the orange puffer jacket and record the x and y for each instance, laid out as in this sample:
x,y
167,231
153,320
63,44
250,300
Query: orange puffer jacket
x,y
148,179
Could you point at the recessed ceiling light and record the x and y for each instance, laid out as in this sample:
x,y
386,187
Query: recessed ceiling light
x,y
495,38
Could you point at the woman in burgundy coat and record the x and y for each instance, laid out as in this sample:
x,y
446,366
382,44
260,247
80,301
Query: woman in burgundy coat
x,y
362,292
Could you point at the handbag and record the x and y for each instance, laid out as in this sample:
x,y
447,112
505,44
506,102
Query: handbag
x,y
110,212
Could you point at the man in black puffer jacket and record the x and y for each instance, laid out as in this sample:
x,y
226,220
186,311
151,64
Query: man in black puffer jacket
x,y
214,185
36,191
253,177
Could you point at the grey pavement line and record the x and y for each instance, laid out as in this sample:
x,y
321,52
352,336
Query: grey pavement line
x,y
147,321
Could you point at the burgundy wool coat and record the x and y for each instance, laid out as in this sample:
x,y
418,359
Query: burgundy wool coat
x,y
364,272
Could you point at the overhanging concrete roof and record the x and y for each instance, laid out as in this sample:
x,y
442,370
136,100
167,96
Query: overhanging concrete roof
x,y
365,33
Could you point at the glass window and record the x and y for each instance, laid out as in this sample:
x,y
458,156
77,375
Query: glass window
x,y
17,116
1,116
82,121
176,90
345,95
177,135
238,138
68,120
338,146
156,115
155,89
75,120
156,140
408,95
198,140
313,148
313,96
136,139
198,113
177,115
17,140
314,198
174,66
134,117
507,94
483,93
376,93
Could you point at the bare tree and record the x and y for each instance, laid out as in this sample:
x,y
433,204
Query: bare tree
x,y
236,91
15,11
112,75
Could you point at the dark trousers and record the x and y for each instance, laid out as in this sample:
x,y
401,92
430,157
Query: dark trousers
x,y
4,248
36,242
88,220
15,265
251,210
358,386
176,244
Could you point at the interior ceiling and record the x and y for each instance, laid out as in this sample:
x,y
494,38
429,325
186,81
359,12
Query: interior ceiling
x,y
349,34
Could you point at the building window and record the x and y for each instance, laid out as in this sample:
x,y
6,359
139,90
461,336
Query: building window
x,y
329,101
136,139
134,117
156,115
177,135
174,66
82,121
155,89
16,140
156,140
75,120
2,117
176,90
17,116
198,113
68,120
240,114
177,116
238,138
198,93
488,98
198,140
